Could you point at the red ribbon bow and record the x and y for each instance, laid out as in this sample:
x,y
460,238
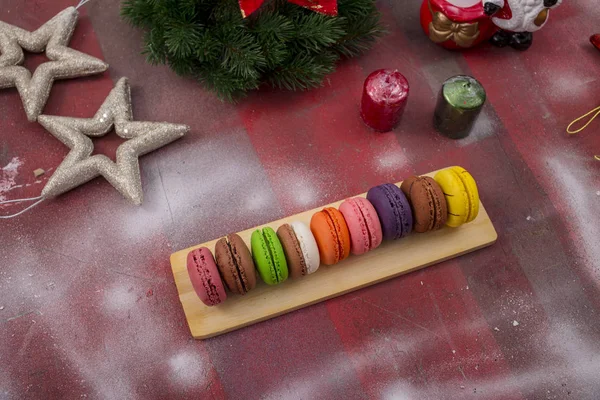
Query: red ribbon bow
x,y
327,7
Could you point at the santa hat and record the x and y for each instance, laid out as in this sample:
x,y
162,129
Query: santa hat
x,y
523,15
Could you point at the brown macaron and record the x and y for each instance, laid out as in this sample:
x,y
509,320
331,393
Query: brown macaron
x,y
428,203
292,250
235,264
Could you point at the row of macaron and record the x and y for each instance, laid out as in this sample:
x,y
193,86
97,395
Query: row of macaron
x,y
359,225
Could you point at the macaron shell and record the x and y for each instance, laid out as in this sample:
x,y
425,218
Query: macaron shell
x,y
472,191
456,197
359,235
385,210
205,277
363,224
244,261
277,252
227,267
262,258
439,201
393,210
293,252
372,220
341,229
268,256
427,202
235,264
324,234
402,206
331,233
308,244
422,204
406,187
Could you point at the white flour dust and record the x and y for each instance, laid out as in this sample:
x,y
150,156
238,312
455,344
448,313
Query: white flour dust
x,y
8,173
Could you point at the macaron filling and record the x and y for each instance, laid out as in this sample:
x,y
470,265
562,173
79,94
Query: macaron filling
x,y
334,228
397,207
305,257
301,254
427,202
462,197
413,198
471,189
366,227
433,207
369,231
273,261
204,275
269,256
308,245
238,272
439,219
360,234
292,250
463,192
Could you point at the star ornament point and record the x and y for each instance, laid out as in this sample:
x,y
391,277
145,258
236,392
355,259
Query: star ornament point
x,y
53,37
79,166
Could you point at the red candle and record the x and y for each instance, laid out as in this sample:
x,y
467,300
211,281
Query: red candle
x,y
595,39
385,94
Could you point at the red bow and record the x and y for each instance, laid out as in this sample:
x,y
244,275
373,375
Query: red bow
x,y
327,7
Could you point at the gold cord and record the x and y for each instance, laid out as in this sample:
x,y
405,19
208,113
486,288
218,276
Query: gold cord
x,y
592,118
595,110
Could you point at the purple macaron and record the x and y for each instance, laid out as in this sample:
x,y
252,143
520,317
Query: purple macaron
x,y
393,210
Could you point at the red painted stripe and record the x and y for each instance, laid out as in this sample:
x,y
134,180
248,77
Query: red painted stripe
x,y
59,353
422,336
566,81
324,151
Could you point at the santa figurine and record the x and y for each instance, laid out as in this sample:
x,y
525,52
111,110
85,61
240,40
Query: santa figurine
x,y
460,24
518,19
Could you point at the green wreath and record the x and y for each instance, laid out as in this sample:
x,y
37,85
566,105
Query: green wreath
x,y
281,44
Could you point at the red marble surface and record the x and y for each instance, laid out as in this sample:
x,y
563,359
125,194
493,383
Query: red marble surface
x,y
88,307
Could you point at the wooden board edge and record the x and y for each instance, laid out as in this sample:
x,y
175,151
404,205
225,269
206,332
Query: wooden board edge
x,y
200,336
178,267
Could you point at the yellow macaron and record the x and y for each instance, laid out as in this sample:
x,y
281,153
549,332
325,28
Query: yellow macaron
x,y
462,197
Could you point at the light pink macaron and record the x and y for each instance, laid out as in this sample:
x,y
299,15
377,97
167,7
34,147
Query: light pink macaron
x,y
205,277
363,224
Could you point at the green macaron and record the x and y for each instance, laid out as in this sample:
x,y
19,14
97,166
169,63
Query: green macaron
x,y
268,256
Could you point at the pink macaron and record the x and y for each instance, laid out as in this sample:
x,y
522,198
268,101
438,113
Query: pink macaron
x,y
363,224
205,277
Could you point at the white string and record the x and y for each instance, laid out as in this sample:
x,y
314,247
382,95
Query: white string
x,y
24,210
82,2
20,200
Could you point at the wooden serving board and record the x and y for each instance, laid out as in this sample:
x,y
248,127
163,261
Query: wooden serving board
x,y
391,259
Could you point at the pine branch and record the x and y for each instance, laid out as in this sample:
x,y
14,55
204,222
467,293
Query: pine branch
x,y
243,56
303,72
138,12
273,32
316,32
283,44
182,66
362,33
226,85
182,38
353,9
273,27
208,48
154,47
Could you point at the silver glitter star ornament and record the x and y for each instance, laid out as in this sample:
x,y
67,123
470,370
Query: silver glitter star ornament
x,y
53,37
80,166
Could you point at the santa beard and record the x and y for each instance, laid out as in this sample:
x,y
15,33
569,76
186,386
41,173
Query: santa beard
x,y
527,15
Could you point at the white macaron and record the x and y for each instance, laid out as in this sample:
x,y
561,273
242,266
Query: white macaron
x,y
308,244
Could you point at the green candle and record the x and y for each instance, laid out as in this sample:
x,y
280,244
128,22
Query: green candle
x,y
459,103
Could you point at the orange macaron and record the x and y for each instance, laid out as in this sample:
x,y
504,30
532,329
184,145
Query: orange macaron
x,y
331,233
